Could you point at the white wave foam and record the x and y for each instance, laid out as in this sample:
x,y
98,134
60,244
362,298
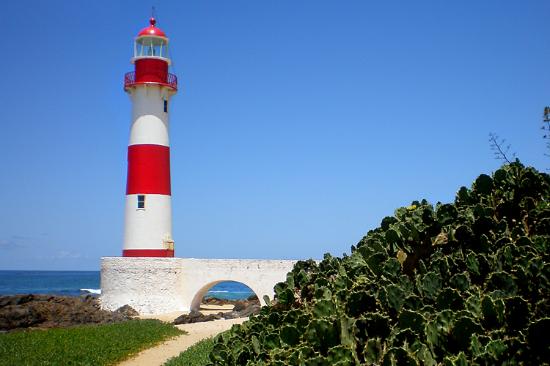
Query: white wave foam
x,y
91,290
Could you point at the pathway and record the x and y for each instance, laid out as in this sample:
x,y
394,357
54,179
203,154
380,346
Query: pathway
x,y
157,356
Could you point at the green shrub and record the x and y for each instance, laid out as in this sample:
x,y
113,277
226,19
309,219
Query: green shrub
x,y
455,284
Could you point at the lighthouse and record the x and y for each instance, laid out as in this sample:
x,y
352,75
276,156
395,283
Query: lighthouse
x,y
148,209
147,276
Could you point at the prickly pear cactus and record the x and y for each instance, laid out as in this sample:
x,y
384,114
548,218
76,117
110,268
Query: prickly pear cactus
x,y
455,284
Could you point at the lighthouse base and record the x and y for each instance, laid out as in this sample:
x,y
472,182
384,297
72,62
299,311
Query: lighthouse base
x,y
149,285
155,286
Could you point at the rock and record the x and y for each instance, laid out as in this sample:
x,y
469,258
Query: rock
x,y
196,317
127,310
240,305
13,316
250,310
253,298
253,309
45,311
15,300
216,301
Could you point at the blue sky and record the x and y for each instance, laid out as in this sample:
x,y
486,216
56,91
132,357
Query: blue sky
x,y
298,125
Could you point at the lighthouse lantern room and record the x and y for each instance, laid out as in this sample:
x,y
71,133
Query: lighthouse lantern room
x,y
148,212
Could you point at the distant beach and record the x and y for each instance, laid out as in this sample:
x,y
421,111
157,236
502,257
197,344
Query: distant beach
x,y
76,283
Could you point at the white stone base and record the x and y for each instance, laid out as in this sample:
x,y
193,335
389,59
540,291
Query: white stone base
x,y
149,285
165,285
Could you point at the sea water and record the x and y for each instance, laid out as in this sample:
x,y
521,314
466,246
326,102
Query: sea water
x,y
65,283
76,283
230,290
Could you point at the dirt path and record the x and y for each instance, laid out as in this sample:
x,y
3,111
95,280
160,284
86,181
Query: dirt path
x,y
197,331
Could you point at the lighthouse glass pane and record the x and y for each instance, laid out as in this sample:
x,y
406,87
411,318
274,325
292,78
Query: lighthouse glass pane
x,y
141,201
157,49
139,49
148,50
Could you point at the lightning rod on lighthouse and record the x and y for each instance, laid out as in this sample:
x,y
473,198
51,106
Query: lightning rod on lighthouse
x,y
148,211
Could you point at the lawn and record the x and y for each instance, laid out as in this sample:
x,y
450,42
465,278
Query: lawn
x,y
104,344
196,355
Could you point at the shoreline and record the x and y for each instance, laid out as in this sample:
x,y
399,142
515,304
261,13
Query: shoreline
x,y
36,311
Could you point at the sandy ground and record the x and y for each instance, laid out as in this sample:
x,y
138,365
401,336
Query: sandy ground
x,y
197,331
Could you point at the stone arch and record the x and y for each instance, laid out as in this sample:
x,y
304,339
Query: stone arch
x,y
165,285
199,295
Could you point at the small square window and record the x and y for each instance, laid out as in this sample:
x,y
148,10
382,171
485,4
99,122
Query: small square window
x,y
141,201
165,106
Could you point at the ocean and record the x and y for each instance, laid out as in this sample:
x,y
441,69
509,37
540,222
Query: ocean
x,y
76,283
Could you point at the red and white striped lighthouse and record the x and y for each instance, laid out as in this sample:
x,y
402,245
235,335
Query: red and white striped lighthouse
x,y
148,216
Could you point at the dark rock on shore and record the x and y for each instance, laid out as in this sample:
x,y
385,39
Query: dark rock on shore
x,y
216,301
196,317
241,309
127,311
250,310
46,311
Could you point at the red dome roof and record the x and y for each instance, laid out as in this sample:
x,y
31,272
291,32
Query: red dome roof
x,y
152,30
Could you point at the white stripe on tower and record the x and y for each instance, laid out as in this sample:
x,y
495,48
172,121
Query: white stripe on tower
x,y
149,121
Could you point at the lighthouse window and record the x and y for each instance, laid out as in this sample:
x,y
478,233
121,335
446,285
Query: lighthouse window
x,y
146,47
141,201
165,106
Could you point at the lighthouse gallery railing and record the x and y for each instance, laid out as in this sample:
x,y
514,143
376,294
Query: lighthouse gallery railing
x,y
130,80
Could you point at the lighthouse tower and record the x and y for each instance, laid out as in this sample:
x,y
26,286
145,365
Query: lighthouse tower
x,y
148,213
147,276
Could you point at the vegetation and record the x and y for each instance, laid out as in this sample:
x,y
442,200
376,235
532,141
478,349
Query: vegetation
x,y
500,149
196,355
546,129
85,345
455,284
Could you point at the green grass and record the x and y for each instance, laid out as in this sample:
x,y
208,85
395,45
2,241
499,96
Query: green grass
x,y
85,345
196,355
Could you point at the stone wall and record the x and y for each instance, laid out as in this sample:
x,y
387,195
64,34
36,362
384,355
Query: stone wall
x,y
149,285
163,285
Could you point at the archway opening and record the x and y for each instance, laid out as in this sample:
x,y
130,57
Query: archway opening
x,y
228,291
225,296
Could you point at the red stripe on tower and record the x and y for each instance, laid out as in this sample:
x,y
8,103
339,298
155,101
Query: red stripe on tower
x,y
147,253
148,169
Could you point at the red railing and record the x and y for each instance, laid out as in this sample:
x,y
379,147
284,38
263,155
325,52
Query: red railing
x,y
130,80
